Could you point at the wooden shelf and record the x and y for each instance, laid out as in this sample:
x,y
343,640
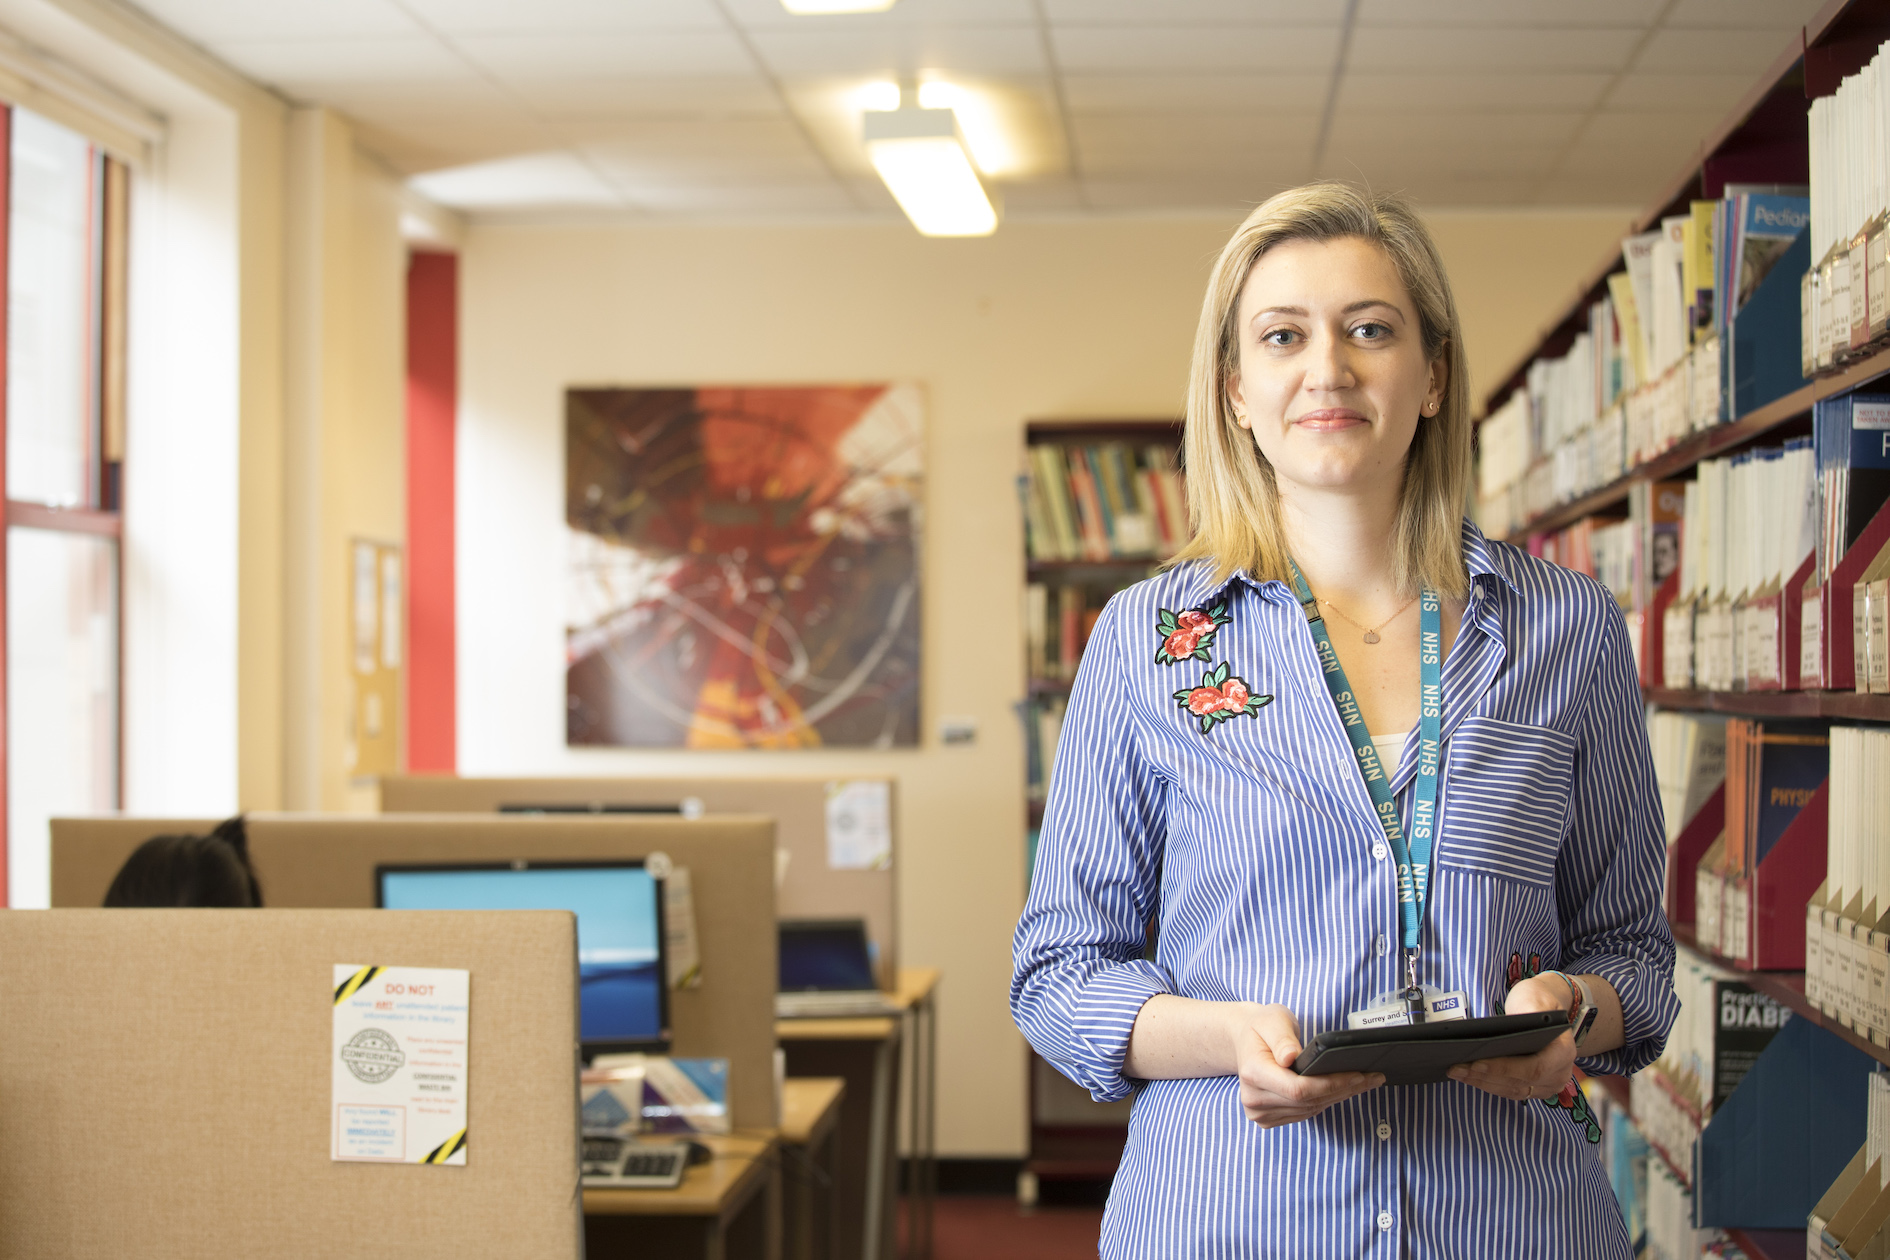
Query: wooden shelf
x,y
1708,443
1847,705
1770,1244
1786,988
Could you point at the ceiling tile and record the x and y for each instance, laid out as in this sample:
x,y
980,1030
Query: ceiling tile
x,y
1056,195
1540,92
863,51
415,145
1777,15
1214,146
1195,12
824,198
1700,93
772,15
1713,51
1144,49
1628,135
1234,195
216,21
1490,13
665,53
694,95
1189,93
547,17
534,180
724,152
311,68
1438,50
1438,134
1430,188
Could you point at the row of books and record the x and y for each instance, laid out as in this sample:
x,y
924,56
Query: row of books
x,y
1517,482
1752,879
1852,1218
1723,1027
1603,549
1843,304
1665,353
1103,500
1057,625
1043,726
1847,918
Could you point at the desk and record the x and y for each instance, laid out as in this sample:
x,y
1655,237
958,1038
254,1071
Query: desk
x,y
866,1051
810,1112
730,1206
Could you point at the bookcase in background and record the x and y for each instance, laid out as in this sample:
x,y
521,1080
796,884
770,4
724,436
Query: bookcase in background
x,y
1103,507
1699,428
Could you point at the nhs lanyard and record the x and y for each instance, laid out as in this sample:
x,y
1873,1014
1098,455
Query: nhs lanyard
x,y
1413,858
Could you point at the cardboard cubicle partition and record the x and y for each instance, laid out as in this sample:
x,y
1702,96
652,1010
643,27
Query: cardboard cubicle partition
x,y
165,1087
811,888
306,860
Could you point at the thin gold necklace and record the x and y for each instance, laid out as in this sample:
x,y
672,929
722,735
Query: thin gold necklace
x,y
1371,633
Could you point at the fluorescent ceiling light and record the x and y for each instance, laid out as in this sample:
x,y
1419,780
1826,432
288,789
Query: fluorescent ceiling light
x,y
984,135
882,95
922,156
810,7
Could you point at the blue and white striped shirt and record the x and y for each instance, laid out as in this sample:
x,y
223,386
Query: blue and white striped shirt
x,y
1255,843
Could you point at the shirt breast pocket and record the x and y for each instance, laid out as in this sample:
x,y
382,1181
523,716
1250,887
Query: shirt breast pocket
x,y
1506,799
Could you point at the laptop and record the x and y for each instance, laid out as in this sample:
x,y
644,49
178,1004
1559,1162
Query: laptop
x,y
827,971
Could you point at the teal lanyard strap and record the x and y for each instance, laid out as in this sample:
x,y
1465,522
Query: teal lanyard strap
x,y
1414,857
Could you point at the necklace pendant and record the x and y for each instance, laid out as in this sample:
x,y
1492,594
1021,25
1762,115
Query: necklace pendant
x,y
1371,636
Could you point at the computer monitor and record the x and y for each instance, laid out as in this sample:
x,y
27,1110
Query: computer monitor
x,y
623,962
825,956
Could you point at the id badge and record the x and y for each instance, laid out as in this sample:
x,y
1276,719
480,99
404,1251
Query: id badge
x,y
1388,1008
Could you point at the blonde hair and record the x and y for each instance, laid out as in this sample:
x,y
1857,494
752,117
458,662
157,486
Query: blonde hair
x,y
1233,499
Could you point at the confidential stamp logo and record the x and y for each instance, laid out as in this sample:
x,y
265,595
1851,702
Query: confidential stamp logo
x,y
372,1055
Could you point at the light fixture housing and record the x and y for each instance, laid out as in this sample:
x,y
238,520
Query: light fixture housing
x,y
810,8
923,157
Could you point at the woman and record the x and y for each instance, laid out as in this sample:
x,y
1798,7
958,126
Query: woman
x,y
1208,781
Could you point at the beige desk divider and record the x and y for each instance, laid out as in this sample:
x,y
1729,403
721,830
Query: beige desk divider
x,y
810,887
165,1087
308,860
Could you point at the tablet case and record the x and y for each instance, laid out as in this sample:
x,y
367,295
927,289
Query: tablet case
x,y
1419,1054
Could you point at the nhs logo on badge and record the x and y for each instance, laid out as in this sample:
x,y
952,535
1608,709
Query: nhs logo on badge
x,y
1447,1004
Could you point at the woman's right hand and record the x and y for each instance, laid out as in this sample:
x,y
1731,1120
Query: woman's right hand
x,y
1266,1044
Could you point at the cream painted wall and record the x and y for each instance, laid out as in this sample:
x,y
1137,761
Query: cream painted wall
x,y
1061,319
344,438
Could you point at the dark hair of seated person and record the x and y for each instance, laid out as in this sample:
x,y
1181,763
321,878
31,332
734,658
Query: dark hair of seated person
x,y
177,871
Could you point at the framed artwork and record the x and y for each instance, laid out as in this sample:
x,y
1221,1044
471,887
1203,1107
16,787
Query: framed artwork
x,y
743,566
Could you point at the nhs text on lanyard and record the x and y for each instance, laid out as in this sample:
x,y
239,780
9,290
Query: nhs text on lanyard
x,y
1414,857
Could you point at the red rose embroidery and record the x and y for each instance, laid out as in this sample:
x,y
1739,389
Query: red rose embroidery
x,y
1220,697
1188,635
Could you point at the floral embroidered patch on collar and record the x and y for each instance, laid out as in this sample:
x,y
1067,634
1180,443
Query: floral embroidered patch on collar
x,y
1220,697
1188,635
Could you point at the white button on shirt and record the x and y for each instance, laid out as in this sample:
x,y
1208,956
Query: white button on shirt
x,y
1384,1220
1384,1130
1379,850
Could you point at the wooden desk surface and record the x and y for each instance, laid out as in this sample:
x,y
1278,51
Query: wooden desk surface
x,y
810,1107
740,1167
915,985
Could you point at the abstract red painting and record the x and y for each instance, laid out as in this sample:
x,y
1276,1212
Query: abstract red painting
x,y
744,566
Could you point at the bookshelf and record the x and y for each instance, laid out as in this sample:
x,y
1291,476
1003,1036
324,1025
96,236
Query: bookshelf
x,y
1072,1138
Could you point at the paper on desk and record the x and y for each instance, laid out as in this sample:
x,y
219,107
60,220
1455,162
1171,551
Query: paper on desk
x,y
859,825
399,1064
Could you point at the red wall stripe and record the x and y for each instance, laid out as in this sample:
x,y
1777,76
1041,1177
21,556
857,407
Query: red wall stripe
x,y
432,406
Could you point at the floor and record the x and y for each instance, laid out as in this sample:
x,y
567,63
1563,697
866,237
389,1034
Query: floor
x,y
979,1227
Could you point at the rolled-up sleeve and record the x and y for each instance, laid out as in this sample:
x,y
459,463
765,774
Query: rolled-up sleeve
x,y
1610,877
1080,979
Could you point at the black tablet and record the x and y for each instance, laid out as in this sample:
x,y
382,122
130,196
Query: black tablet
x,y
1417,1054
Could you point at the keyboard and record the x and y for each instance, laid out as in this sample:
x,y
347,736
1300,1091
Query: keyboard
x,y
621,1164
852,1002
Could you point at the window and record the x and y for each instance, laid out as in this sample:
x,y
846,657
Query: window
x,y
63,421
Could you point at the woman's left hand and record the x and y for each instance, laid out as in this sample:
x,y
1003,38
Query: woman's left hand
x,y
1543,1074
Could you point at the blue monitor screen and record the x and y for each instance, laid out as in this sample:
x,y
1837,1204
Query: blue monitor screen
x,y
619,930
